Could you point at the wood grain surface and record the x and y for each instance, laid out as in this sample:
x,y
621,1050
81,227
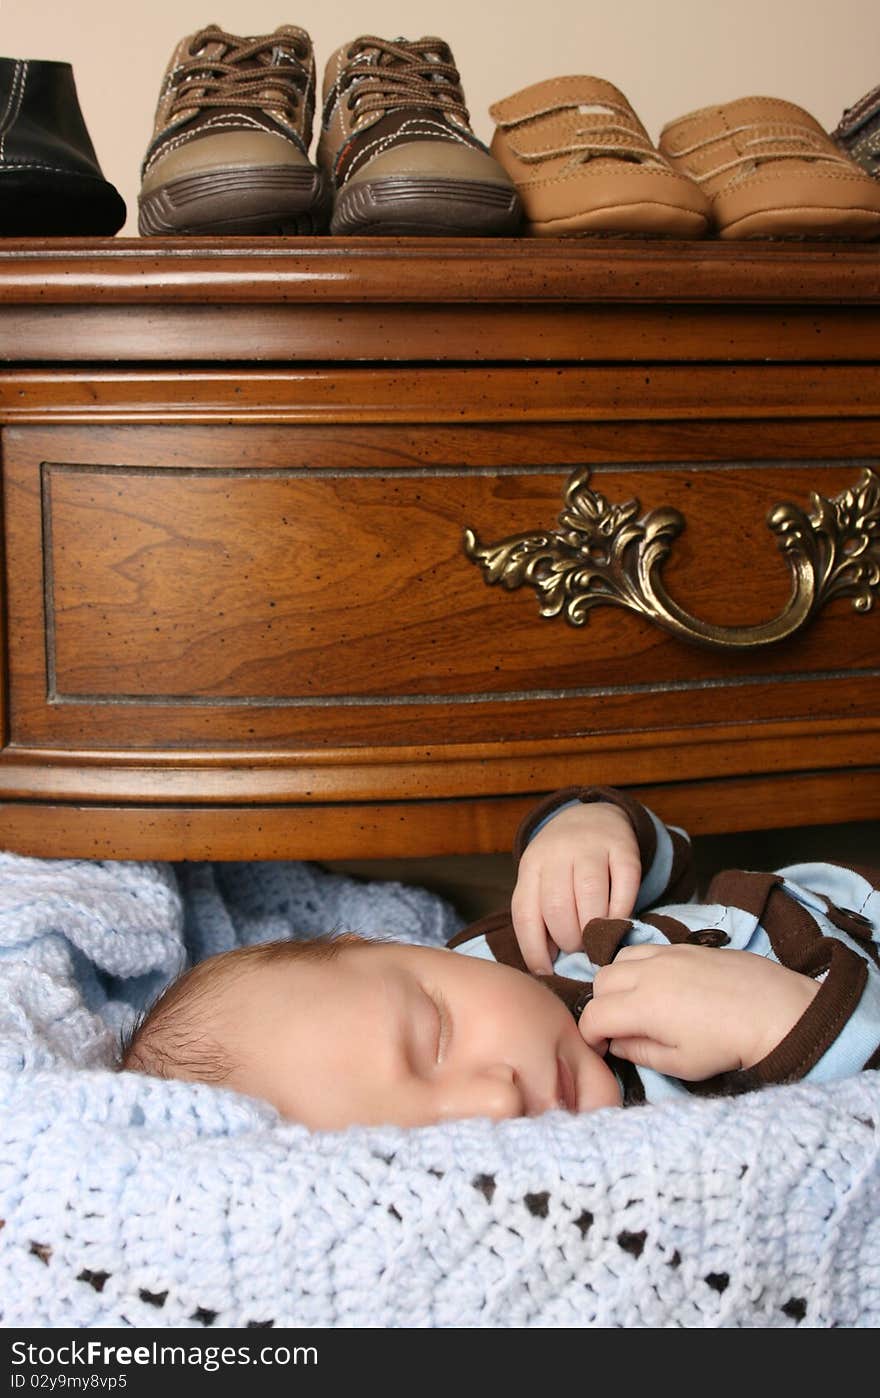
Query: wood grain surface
x,y
239,619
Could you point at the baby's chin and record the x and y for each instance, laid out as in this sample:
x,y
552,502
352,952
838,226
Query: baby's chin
x,y
596,1084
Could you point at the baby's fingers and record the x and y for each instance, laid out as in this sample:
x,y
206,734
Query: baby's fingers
x,y
638,951
590,879
647,1053
626,879
615,1015
528,925
560,907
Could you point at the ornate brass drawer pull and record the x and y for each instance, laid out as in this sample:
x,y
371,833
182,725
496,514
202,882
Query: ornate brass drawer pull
x,y
604,554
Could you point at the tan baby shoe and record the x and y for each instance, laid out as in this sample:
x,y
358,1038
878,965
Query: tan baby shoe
x,y
771,171
583,163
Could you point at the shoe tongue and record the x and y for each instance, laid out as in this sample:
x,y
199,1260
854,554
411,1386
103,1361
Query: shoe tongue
x,y
288,36
212,47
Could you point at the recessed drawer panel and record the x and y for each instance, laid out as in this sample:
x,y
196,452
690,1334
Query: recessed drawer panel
x,y
159,600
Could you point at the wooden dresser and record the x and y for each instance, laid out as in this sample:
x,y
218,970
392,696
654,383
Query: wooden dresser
x,y
348,550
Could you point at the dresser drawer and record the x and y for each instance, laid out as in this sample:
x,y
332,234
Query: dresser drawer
x,y
264,614
327,550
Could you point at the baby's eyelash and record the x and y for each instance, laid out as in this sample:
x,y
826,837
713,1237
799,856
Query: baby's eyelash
x,y
445,1021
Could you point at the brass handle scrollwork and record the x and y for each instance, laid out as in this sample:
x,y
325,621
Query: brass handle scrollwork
x,y
603,554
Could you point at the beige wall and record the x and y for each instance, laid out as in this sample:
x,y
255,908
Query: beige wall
x,y
667,57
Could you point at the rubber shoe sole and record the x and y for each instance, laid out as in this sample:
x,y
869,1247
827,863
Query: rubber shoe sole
x,y
805,222
262,200
55,204
403,206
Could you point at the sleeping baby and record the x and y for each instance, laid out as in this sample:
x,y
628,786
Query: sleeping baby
x,y
603,984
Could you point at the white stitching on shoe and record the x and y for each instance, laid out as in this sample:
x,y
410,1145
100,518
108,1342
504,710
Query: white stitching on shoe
x,y
798,143
42,165
6,126
419,126
242,123
11,98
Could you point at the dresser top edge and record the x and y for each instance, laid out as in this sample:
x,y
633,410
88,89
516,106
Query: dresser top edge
x,y
41,272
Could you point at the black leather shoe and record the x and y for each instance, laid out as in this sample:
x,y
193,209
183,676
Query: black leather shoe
x,y
51,184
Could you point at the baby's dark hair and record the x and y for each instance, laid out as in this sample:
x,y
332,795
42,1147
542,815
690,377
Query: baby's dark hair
x,y
173,1038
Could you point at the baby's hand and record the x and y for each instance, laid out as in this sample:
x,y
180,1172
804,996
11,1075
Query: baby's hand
x,y
584,863
691,1011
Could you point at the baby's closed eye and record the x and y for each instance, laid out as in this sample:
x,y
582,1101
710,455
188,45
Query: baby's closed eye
x,y
444,1023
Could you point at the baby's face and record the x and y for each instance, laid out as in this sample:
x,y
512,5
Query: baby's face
x,y
404,1035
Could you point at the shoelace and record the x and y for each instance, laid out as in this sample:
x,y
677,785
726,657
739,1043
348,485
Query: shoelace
x,y
404,73
788,143
244,76
612,140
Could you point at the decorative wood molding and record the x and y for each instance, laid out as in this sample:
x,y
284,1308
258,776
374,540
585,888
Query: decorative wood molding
x,y
139,271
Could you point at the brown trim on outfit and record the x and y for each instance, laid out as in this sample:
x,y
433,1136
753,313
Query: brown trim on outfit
x,y
740,888
628,1076
678,933
794,934
482,928
673,930
503,945
822,1020
682,881
602,937
856,925
574,994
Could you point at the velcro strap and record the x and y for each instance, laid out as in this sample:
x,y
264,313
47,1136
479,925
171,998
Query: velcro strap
x,y
556,95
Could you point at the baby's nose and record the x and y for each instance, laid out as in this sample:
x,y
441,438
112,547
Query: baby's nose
x,y
494,1092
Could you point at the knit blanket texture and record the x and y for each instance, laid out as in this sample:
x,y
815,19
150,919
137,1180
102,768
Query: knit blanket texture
x,y
127,1201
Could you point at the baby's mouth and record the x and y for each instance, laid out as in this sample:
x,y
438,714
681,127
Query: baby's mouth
x,y
566,1088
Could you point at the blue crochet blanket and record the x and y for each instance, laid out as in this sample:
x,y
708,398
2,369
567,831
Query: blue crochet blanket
x,y
131,1202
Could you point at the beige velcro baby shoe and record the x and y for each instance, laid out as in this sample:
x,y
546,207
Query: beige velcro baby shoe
x,y
771,171
583,163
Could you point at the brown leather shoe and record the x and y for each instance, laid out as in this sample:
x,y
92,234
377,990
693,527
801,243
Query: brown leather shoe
x,y
771,171
396,144
231,136
584,163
